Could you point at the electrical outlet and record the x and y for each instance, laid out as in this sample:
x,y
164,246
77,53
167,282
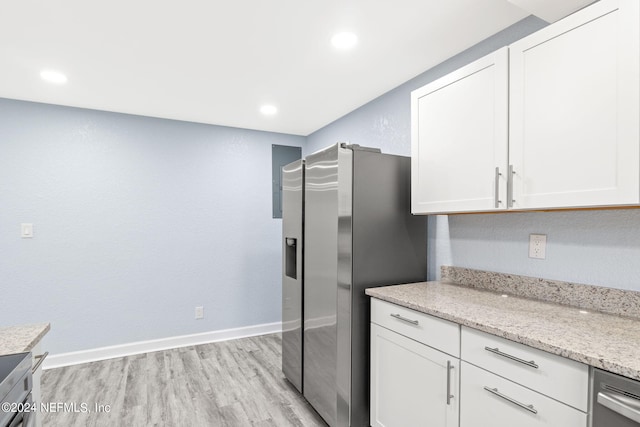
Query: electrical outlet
x,y
537,246
199,312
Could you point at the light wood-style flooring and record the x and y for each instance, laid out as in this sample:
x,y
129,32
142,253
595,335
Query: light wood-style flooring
x,y
231,383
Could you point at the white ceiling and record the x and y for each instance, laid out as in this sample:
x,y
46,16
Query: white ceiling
x,y
213,61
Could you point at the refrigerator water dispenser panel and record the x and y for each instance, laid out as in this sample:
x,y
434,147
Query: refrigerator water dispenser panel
x,y
291,258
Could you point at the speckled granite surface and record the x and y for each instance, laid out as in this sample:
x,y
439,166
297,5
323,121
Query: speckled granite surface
x,y
18,339
607,300
597,339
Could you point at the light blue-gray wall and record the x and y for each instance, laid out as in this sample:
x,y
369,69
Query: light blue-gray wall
x,y
593,247
136,221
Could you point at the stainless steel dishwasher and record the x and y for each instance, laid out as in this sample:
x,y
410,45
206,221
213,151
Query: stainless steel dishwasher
x,y
616,400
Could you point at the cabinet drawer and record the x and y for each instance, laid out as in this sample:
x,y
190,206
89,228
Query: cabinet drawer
x,y
432,331
489,400
560,378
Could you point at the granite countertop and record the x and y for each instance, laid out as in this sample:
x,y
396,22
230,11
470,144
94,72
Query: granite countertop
x,y
605,341
21,338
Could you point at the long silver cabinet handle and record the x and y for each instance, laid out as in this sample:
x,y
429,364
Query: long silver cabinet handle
x,y
510,200
495,391
626,406
530,363
397,316
40,359
449,395
497,188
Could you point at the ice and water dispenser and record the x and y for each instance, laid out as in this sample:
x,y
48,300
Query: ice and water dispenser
x,y
291,261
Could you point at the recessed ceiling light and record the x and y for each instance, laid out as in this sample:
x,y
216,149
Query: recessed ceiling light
x,y
268,110
344,40
53,76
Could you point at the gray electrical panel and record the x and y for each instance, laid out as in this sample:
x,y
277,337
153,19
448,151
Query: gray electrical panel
x,y
281,155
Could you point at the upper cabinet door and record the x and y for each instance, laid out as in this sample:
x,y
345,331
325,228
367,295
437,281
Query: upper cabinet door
x,y
574,110
459,139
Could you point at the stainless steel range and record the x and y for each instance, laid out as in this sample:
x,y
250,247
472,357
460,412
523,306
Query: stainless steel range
x,y
15,390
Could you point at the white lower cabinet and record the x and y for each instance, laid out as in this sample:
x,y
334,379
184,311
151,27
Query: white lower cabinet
x,y
412,384
490,400
427,371
562,379
504,383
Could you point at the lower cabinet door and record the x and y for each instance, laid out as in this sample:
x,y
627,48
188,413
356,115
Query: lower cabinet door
x,y
490,400
411,384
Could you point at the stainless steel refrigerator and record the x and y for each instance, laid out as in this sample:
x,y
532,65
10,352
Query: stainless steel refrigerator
x,y
346,227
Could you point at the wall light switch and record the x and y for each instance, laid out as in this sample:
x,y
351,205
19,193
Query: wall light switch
x,y
26,231
537,246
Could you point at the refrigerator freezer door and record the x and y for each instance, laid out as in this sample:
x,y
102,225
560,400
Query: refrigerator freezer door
x,y
359,233
292,271
321,278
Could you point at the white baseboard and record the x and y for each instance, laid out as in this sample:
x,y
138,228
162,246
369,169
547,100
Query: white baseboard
x,y
129,349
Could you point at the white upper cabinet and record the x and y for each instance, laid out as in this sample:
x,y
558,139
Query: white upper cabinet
x,y
459,139
574,110
551,123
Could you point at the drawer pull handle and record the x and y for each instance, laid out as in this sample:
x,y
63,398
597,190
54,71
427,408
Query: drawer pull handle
x,y
40,358
495,391
497,351
397,316
449,395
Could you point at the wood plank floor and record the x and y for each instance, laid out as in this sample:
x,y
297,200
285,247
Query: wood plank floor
x,y
231,383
